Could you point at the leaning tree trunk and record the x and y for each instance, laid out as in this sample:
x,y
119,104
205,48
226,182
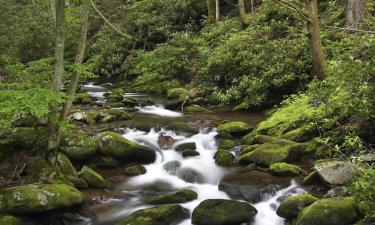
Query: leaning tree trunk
x,y
78,60
211,10
355,13
316,47
242,10
217,17
53,118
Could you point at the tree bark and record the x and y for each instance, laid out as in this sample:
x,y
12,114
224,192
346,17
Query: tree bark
x,y
217,18
85,11
53,120
316,47
242,11
355,13
211,10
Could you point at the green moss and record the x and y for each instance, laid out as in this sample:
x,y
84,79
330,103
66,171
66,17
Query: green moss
x,y
290,208
78,145
83,98
332,211
189,153
65,166
248,138
115,145
236,127
102,162
117,91
224,158
161,215
312,178
93,178
35,198
248,148
135,170
182,127
11,220
284,169
226,144
186,146
195,108
300,134
182,196
117,114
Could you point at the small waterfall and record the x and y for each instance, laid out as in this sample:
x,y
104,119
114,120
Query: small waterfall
x,y
95,91
158,110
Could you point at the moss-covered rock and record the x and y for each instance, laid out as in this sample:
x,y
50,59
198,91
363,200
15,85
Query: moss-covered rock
x,y
224,158
290,207
195,108
78,145
267,154
183,127
161,215
182,196
186,146
93,178
331,211
226,144
36,198
83,98
115,145
12,220
312,178
248,148
116,114
38,169
234,128
135,170
248,138
301,134
336,171
284,169
129,102
65,166
102,162
189,153
222,212
117,91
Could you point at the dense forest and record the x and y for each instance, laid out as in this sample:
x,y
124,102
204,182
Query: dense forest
x,y
163,112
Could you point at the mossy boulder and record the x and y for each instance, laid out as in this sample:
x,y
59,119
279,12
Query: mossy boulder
x,y
115,145
189,153
135,170
336,171
39,169
115,95
223,212
301,134
78,145
12,220
248,138
330,211
248,148
182,196
268,154
98,161
65,166
224,158
312,178
195,108
234,128
186,146
93,178
226,144
129,102
117,91
284,169
36,198
160,215
83,98
290,207
182,127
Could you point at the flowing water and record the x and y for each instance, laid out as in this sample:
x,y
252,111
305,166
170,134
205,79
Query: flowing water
x,y
171,172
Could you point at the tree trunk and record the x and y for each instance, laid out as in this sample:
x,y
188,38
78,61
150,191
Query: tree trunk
x,y
355,13
242,10
211,11
217,18
57,77
78,60
316,47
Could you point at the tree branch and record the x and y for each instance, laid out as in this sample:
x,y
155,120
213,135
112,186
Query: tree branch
x,y
293,8
110,24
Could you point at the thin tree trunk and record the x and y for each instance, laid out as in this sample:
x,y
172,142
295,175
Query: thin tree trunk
x,y
217,17
242,10
57,77
355,13
252,5
211,10
78,60
316,47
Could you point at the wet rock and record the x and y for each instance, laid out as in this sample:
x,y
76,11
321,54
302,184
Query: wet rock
x,y
93,178
223,212
161,215
65,166
172,167
224,135
36,198
195,108
224,158
115,95
83,98
267,154
102,162
189,153
165,141
190,175
79,116
330,211
135,170
182,127
78,145
290,207
248,148
284,169
226,144
335,171
117,146
182,196
186,146
234,128
129,102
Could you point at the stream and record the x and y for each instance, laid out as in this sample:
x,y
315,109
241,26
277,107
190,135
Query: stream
x,y
171,172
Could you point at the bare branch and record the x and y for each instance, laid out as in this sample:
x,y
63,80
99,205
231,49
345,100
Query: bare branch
x,y
293,8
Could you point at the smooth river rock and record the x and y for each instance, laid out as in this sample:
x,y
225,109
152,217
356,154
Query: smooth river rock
x,y
336,171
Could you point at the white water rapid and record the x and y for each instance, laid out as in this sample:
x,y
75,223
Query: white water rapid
x,y
158,110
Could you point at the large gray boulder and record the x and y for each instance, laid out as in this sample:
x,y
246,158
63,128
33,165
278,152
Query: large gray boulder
x,y
336,171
